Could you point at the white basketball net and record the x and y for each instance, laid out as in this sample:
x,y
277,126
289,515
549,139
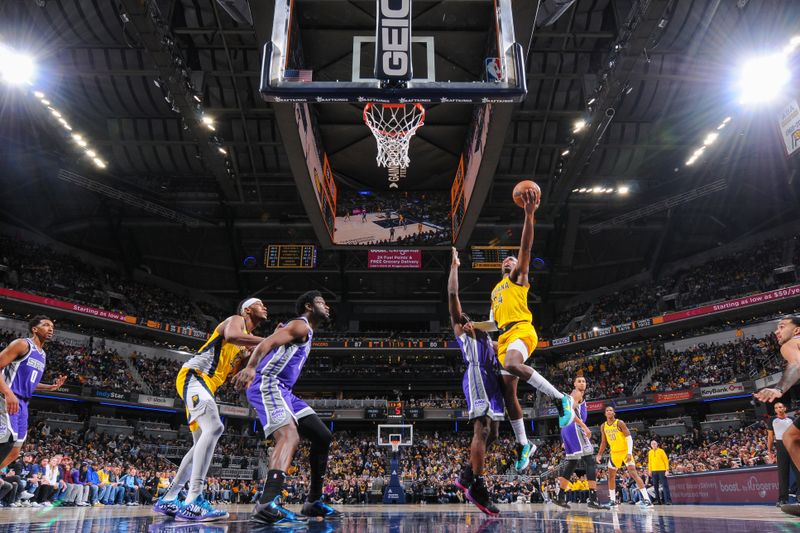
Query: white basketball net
x,y
393,125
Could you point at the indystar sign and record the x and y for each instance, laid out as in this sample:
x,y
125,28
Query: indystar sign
x,y
722,390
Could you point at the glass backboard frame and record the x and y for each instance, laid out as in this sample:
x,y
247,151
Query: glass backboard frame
x,y
274,86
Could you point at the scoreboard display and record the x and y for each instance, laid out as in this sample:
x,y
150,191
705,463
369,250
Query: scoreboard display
x,y
414,413
395,409
375,413
491,257
290,256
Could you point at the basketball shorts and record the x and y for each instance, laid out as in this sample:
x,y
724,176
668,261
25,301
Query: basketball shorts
x,y
483,391
617,459
13,427
275,404
520,337
576,445
196,394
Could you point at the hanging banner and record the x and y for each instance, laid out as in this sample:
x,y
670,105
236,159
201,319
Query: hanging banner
x,y
789,124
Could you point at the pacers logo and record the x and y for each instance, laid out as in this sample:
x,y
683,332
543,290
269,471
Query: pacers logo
x,y
393,46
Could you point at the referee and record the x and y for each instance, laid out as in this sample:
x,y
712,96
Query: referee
x,y
777,425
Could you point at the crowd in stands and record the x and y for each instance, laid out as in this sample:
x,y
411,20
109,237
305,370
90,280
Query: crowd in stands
x,y
713,364
87,467
69,278
610,374
729,276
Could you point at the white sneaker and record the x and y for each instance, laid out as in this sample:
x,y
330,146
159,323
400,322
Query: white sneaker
x,y
47,504
36,504
25,503
26,495
15,504
82,504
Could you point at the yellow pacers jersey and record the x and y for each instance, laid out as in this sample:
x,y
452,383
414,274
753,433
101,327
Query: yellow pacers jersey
x,y
214,361
615,438
510,303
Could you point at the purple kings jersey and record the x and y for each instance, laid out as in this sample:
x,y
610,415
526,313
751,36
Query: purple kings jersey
x,y
24,374
285,362
477,351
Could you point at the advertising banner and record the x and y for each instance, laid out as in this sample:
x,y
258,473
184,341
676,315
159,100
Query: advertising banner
x,y
70,388
234,410
69,306
110,394
789,123
156,400
395,259
753,299
101,313
629,402
737,486
673,396
596,405
722,390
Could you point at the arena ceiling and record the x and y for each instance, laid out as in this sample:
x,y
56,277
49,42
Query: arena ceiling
x,y
666,67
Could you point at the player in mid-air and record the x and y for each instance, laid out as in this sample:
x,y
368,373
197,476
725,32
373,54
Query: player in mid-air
x,y
787,333
578,447
269,376
22,365
197,381
518,338
483,390
616,435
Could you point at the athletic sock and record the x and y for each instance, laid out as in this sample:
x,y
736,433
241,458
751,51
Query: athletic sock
x,y
612,495
592,495
644,494
539,382
273,485
519,431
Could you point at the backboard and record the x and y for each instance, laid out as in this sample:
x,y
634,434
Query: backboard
x,y
451,51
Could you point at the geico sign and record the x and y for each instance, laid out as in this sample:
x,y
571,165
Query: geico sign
x,y
394,38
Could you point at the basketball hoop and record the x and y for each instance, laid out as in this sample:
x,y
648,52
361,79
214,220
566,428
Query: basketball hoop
x,y
394,442
393,125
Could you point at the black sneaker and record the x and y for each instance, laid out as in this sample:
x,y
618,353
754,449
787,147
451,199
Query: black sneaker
x,y
479,495
320,509
274,514
465,479
780,503
561,501
594,504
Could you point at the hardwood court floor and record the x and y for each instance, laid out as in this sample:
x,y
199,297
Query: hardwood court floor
x,y
420,519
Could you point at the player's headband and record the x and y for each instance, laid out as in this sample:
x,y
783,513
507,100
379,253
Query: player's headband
x,y
247,303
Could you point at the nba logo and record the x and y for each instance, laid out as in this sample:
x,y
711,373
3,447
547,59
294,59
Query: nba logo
x,y
494,70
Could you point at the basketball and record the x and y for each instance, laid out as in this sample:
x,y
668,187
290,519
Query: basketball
x,y
523,186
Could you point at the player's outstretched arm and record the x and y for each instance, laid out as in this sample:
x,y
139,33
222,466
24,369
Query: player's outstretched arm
x,y
294,330
791,374
234,333
453,301
531,204
43,387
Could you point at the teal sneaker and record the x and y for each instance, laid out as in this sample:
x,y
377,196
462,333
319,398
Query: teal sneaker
x,y
524,456
565,412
